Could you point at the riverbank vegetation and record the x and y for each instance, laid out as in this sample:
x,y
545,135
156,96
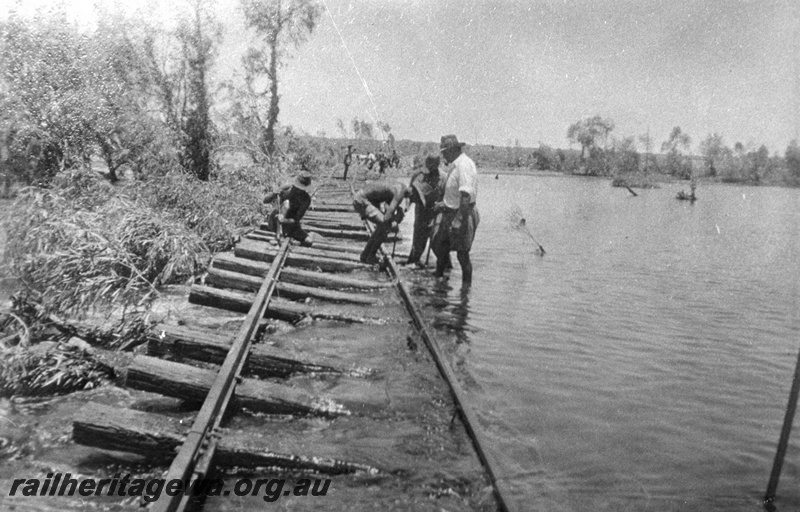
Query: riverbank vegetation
x,y
130,174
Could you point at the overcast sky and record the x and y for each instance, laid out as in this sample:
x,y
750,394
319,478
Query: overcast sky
x,y
495,71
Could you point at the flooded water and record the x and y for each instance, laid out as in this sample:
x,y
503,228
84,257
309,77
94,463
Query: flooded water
x,y
644,363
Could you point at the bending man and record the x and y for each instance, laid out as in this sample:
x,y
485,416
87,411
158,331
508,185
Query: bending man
x,y
380,204
293,201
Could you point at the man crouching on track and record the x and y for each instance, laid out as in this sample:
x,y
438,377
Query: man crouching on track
x,y
368,202
293,201
458,217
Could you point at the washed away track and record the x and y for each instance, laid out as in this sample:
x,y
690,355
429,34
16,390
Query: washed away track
x,y
322,377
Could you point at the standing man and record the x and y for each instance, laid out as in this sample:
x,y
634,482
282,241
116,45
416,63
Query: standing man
x,y
293,201
458,218
427,188
348,159
369,203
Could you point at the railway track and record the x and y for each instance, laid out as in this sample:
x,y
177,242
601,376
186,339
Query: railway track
x,y
318,379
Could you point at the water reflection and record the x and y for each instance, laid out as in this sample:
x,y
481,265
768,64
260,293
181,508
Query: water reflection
x,y
452,310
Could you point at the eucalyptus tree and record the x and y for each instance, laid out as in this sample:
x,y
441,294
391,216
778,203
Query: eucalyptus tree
x,y
280,25
49,102
592,134
718,156
176,63
676,148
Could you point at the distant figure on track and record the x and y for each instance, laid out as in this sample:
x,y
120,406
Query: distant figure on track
x,y
369,202
383,162
348,159
458,217
293,201
427,188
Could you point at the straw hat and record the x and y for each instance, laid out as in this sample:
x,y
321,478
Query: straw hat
x,y
303,180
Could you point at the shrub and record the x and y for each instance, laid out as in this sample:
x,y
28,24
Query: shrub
x,y
74,260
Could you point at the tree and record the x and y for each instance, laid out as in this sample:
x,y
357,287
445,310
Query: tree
x,y
677,162
678,141
757,163
341,128
384,128
362,129
792,157
718,156
624,158
280,24
590,133
198,50
174,68
649,158
51,102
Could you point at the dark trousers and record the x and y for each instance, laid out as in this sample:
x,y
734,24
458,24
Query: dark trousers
x,y
375,241
423,227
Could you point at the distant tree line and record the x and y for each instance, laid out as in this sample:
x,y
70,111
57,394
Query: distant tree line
x,y
602,154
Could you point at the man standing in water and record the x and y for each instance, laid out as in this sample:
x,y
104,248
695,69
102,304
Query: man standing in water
x,y
427,187
458,217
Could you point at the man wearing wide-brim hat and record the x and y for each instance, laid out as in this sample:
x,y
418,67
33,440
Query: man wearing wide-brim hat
x,y
458,217
293,201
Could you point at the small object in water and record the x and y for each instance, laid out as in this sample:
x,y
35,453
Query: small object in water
x,y
497,176
522,221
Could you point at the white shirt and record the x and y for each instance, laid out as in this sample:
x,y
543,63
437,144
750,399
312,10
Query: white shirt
x,y
462,178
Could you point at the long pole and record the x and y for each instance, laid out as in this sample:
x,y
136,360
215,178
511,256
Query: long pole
x,y
783,442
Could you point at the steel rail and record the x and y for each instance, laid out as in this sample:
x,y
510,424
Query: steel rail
x,y
196,454
500,482
468,416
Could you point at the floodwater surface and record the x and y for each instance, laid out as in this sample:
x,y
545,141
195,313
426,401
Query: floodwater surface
x,y
644,362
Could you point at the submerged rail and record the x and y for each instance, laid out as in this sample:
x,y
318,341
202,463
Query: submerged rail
x,y
468,416
197,451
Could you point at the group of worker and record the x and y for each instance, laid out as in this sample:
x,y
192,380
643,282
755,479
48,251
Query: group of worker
x,y
445,211
370,159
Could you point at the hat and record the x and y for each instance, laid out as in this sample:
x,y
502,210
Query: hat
x,y
303,180
450,141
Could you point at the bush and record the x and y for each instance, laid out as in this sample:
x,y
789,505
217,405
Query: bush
x,y
74,259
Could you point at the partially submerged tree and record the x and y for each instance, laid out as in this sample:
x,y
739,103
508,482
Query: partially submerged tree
x,y
625,158
649,159
792,157
592,134
280,24
676,146
718,157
